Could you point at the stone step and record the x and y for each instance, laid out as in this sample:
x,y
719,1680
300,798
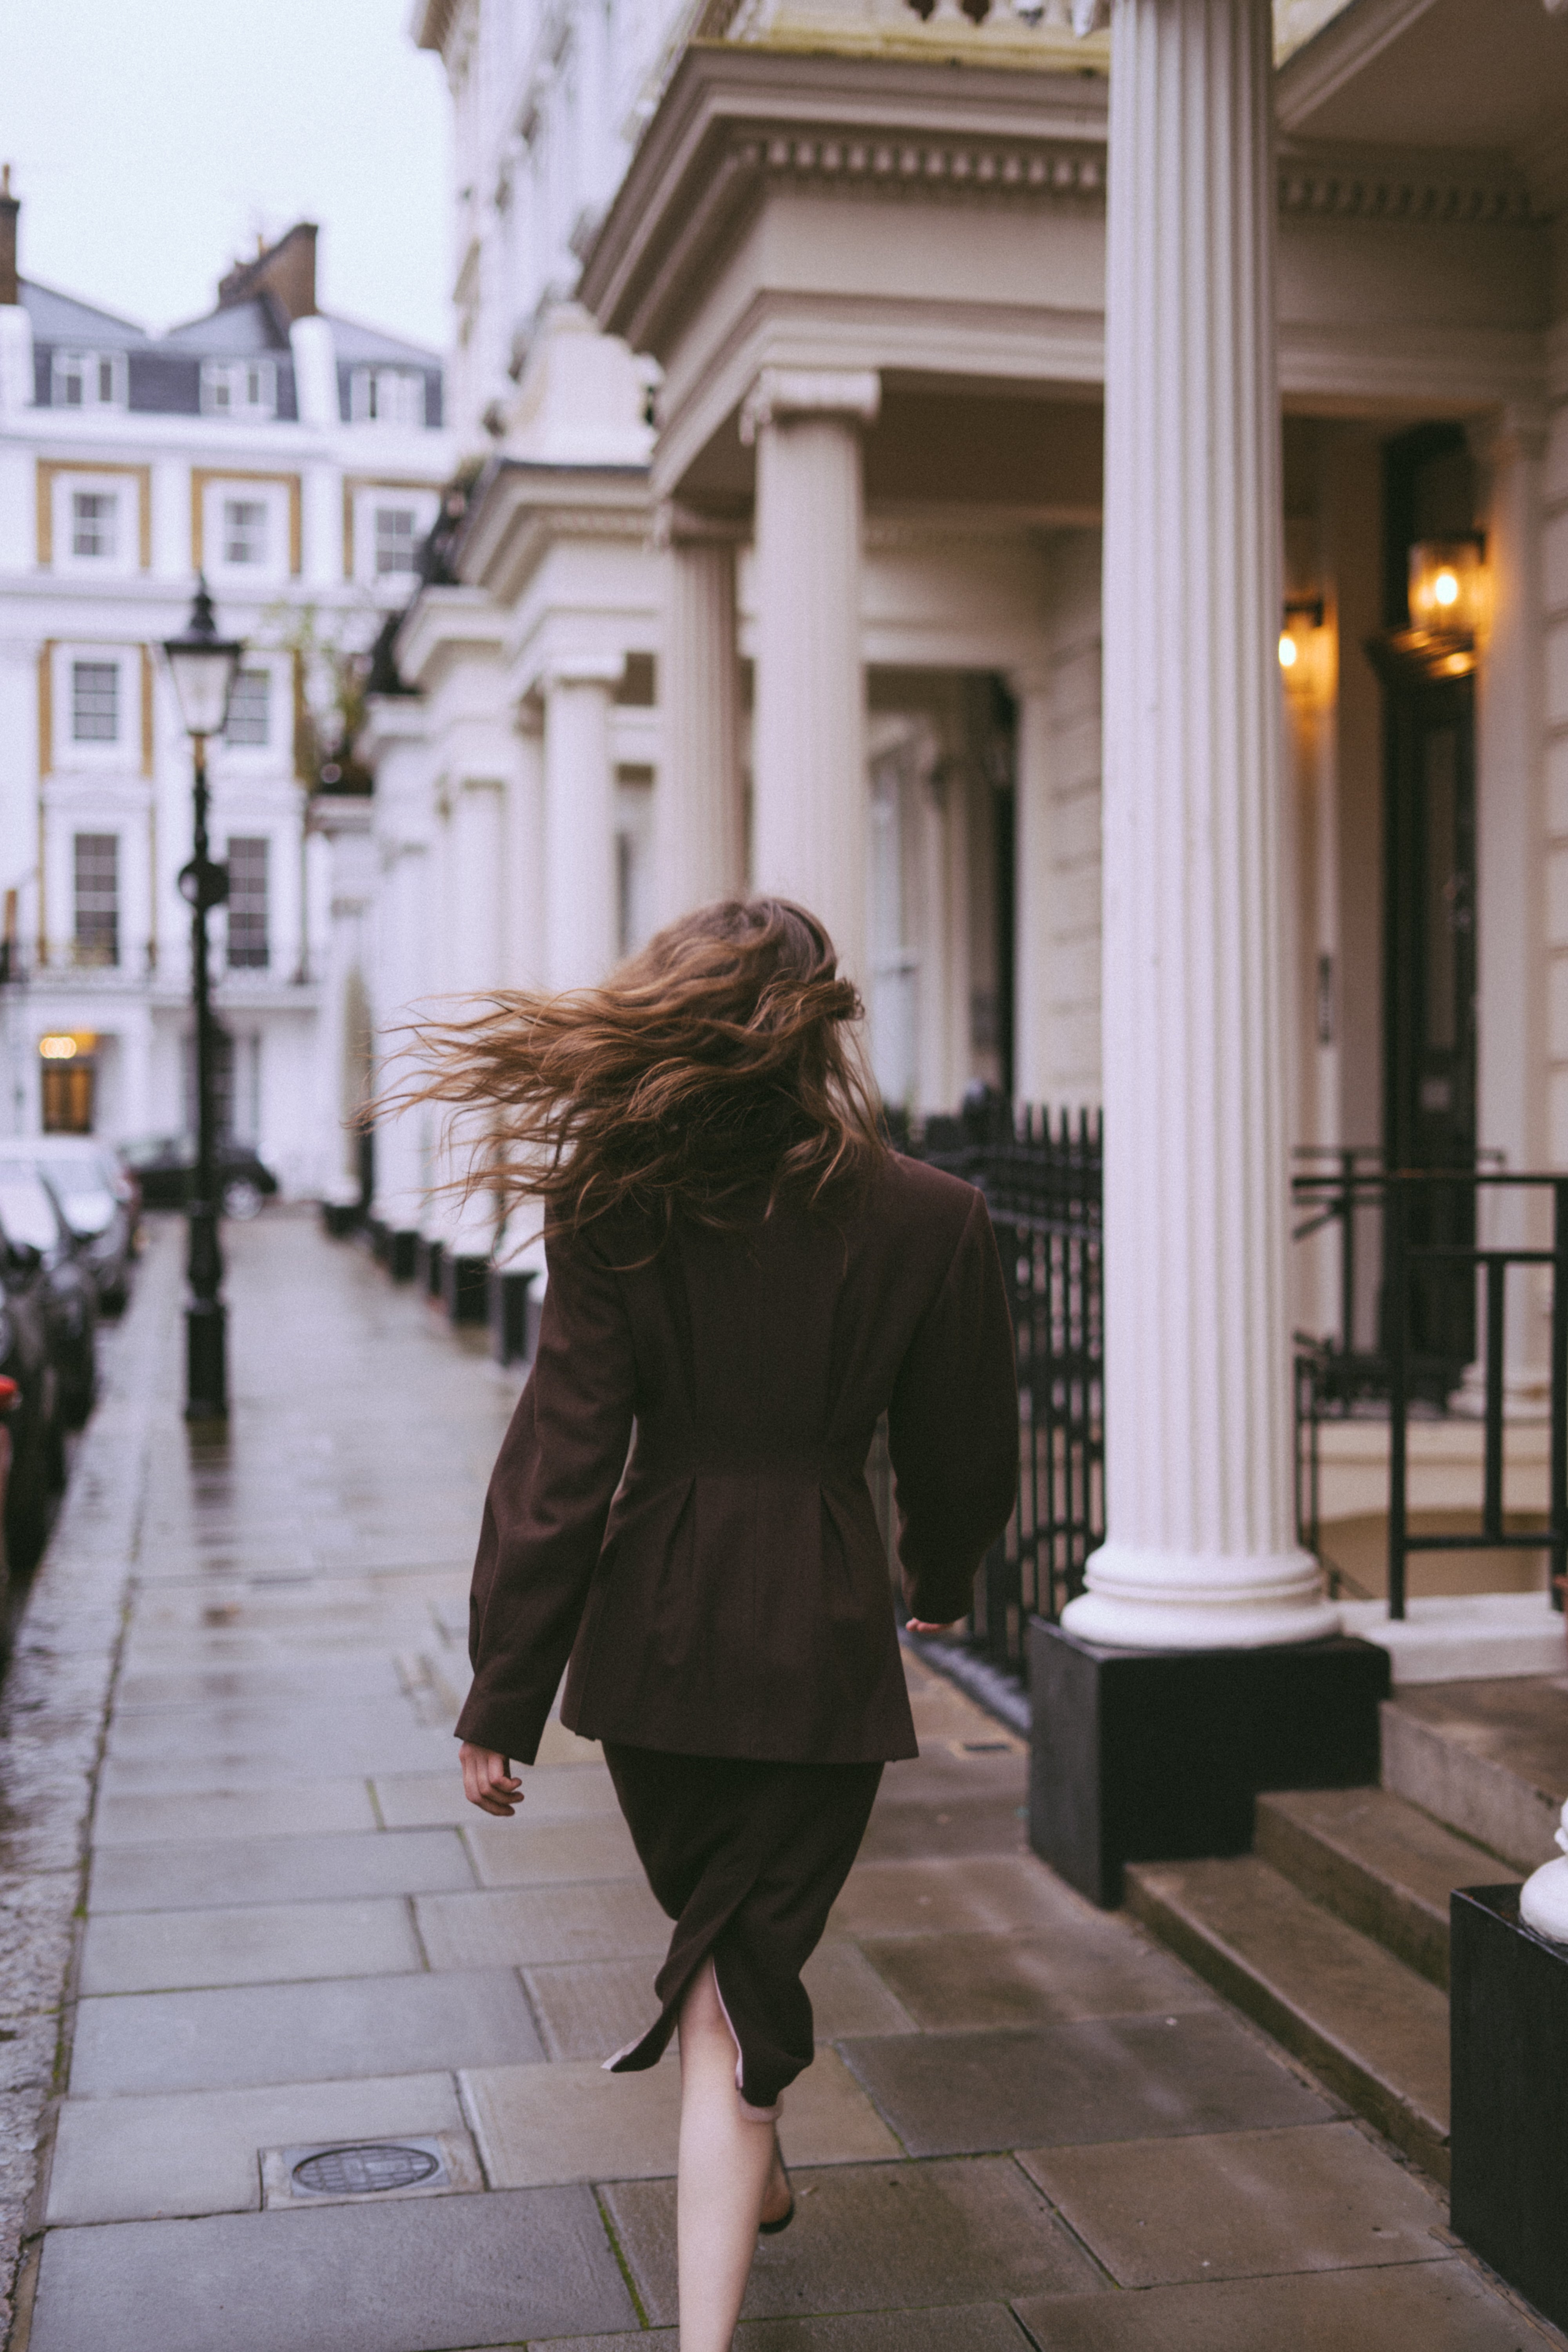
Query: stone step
x,y
1379,1863
1489,1759
1371,2028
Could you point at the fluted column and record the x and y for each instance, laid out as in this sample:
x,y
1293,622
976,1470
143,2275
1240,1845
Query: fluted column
x,y
699,822
808,784
580,820
1032,919
1200,1549
479,849
400,965
1511,910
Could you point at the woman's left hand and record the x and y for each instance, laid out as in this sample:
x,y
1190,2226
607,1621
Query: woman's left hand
x,y
489,1782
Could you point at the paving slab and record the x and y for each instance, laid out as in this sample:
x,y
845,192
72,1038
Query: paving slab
x,y
299,1869
1428,2307
413,2277
975,2327
575,2122
1063,2085
243,1766
159,1951
976,1825
300,1809
1241,2204
135,2159
601,1921
992,1893
345,1673
559,1792
590,2009
529,1851
881,2237
1100,1969
300,2032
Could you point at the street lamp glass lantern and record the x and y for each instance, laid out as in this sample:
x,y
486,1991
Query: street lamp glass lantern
x,y
204,666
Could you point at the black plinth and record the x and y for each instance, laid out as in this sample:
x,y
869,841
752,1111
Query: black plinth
x,y
428,1256
513,1315
1508,2020
402,1253
1156,1756
465,1286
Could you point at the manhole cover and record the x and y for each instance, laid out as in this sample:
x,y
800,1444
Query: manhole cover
x,y
360,2171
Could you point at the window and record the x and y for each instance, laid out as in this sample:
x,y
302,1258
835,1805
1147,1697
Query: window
x,y
96,897
250,708
240,388
396,542
94,523
95,702
384,395
245,530
248,948
89,380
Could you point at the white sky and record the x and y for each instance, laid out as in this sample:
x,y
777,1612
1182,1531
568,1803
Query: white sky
x,y
152,140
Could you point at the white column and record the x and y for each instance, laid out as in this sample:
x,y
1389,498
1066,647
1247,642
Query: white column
x,y
580,820
808,786
1511,904
1032,929
401,911
699,849
1200,1549
479,851
524,916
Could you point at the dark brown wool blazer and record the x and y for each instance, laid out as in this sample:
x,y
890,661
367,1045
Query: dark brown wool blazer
x,y
724,1591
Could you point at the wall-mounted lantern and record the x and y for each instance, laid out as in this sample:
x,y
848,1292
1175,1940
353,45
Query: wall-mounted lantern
x,y
1449,586
1299,640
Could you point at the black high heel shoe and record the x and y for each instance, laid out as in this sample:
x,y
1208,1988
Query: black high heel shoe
x,y
772,2228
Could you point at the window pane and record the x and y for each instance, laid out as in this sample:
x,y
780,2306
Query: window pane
x,y
95,702
96,897
248,947
106,381
93,522
245,530
394,540
250,708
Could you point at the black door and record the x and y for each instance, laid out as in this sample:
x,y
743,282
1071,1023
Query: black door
x,y
1430,989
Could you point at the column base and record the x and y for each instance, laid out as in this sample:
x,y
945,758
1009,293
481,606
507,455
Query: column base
x,y
1145,1600
465,1280
1156,1756
341,1218
514,1314
402,1255
206,1361
428,1256
1509,2006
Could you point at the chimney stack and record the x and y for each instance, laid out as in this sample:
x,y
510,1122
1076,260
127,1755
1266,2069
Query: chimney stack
x,y
10,205
286,271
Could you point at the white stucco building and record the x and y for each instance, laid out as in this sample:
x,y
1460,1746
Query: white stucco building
x,y
297,459
946,589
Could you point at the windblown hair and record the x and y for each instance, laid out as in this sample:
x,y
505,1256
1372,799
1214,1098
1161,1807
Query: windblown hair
x,y
716,1068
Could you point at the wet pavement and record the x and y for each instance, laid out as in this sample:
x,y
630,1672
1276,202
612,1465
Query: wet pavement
x,y
282,1933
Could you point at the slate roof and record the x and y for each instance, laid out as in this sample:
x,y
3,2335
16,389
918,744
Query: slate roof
x,y
60,318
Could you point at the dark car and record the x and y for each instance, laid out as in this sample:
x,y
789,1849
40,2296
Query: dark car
x,y
94,1197
37,1453
164,1167
39,1246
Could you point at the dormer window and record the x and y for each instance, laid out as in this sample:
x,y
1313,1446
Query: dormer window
x,y
246,388
88,380
386,395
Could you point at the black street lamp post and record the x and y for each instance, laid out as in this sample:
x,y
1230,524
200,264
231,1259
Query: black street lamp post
x,y
204,665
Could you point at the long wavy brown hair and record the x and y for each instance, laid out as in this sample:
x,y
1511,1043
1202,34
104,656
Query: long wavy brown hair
x,y
716,1073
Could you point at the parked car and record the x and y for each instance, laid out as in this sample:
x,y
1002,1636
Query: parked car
x,y
33,1423
164,1167
40,1250
95,1198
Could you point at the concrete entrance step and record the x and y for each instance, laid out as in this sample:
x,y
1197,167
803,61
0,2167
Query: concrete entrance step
x,y
1489,1759
1379,1863
1374,2029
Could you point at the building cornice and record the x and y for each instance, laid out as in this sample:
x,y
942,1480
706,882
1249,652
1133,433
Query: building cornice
x,y
520,510
441,624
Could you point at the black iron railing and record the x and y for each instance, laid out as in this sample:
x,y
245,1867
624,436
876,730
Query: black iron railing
x,y
1041,1179
1428,1333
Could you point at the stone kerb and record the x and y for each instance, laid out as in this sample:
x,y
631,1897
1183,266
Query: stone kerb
x,y
53,1708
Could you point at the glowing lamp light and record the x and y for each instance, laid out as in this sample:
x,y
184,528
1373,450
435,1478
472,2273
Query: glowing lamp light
x,y
1299,643
60,1048
1448,584
1289,652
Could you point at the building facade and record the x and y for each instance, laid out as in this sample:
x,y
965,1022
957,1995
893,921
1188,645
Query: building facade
x,y
296,459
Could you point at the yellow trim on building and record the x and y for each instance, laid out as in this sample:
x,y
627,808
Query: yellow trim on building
x,y
353,485
48,467
202,476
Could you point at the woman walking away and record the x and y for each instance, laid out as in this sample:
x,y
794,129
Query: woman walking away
x,y
742,1277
